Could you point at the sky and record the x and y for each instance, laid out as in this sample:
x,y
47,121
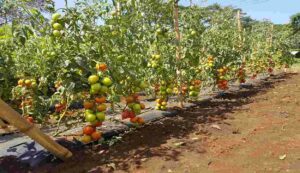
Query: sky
x,y
278,11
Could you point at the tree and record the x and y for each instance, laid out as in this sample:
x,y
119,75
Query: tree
x,y
14,9
295,22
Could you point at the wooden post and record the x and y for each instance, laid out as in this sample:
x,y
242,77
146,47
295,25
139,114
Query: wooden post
x,y
240,30
15,119
2,124
178,50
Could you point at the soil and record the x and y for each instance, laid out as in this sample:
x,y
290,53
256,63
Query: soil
x,y
255,129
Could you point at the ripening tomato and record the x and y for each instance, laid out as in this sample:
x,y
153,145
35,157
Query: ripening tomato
x,y
101,107
129,99
134,120
142,106
28,83
88,105
140,120
101,67
86,139
96,136
100,99
88,130
21,82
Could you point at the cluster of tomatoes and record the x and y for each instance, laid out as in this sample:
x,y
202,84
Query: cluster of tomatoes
x,y
241,74
222,82
95,107
194,88
57,25
154,60
210,62
163,91
135,107
25,95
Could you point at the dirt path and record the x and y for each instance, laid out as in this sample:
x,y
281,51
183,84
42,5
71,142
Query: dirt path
x,y
253,130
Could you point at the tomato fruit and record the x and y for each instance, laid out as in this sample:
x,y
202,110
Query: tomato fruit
x,y
86,139
96,136
100,116
101,107
100,99
101,67
56,33
88,105
96,87
90,117
104,89
88,130
57,26
93,79
56,16
106,81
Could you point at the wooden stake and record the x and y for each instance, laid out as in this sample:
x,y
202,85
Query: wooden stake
x,y
15,119
178,51
2,124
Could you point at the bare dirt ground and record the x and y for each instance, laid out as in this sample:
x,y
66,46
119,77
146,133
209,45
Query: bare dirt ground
x,y
252,130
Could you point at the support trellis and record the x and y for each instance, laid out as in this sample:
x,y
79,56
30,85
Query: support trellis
x,y
15,119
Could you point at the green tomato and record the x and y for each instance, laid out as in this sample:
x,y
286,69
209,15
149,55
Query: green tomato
x,y
192,88
57,26
107,81
163,107
193,33
163,88
89,111
56,16
56,33
90,117
143,85
104,89
96,87
93,79
137,89
169,90
157,56
193,94
93,92
100,116
130,105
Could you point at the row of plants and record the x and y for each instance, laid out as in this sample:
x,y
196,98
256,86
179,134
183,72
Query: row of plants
x,y
104,53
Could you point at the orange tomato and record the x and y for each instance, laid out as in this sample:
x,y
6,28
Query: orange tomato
x,y
101,107
134,120
129,99
88,105
96,136
100,99
101,67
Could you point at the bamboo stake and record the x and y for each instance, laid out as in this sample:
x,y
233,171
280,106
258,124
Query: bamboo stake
x,y
14,118
178,50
